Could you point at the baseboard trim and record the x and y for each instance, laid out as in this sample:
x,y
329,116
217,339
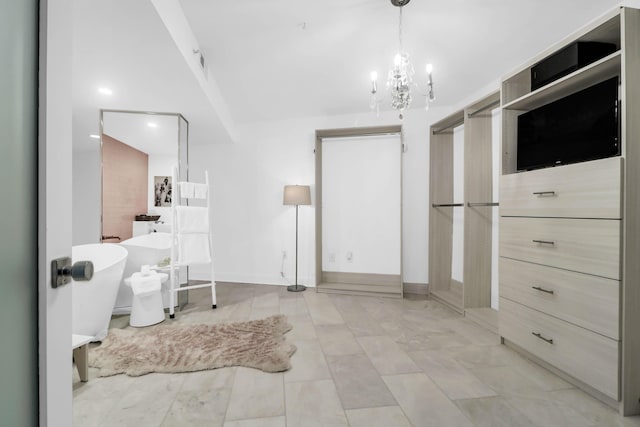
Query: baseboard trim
x,y
416,288
239,282
369,279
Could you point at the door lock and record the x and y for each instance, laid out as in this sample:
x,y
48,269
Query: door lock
x,y
62,271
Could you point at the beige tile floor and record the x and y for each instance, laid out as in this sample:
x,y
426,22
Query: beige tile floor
x,y
361,362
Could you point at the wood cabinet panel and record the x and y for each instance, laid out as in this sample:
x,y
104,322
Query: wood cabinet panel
x,y
584,300
583,190
590,246
583,354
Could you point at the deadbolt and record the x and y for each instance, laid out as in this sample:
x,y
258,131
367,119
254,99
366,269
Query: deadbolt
x,y
62,271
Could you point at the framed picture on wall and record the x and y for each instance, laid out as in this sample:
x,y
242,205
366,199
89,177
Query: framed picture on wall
x,y
162,191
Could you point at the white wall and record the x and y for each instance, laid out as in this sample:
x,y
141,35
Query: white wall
x,y
251,227
457,240
361,195
86,196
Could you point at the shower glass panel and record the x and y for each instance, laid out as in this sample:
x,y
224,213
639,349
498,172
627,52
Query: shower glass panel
x,y
457,255
183,149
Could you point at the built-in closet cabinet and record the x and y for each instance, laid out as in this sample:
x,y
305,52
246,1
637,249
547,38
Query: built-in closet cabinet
x,y
472,296
570,234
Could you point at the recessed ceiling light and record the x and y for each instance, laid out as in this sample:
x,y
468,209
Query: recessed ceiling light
x,y
105,91
152,125
94,136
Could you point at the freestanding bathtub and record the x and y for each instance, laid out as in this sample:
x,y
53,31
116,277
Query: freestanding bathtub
x,y
146,249
93,301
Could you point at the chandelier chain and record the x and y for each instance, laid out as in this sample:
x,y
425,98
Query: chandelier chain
x,y
400,30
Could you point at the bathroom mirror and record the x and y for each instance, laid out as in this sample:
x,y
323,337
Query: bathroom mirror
x,y
139,151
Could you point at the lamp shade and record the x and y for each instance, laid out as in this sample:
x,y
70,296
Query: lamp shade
x,y
297,195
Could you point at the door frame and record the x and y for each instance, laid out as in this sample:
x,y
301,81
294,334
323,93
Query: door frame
x,y
54,210
321,277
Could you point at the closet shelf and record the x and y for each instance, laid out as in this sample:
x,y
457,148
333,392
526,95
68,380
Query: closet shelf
x,y
605,68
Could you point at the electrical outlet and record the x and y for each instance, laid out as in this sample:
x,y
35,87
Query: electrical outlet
x,y
349,256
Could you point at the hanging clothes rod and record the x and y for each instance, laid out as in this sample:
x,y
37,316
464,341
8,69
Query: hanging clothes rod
x,y
447,205
472,205
448,128
486,107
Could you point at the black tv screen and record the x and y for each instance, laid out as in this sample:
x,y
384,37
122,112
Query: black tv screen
x,y
580,127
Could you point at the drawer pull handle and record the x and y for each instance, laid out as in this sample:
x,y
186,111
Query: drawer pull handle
x,y
539,335
538,288
447,205
544,242
544,193
473,205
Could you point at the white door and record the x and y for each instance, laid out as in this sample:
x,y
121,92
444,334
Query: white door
x,y
18,227
35,133
54,211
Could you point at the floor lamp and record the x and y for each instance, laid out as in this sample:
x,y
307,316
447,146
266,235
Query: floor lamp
x,y
297,195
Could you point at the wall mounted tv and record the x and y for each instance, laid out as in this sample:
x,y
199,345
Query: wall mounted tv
x,y
582,126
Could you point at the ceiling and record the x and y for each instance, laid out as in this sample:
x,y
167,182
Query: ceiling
x,y
124,46
155,134
279,59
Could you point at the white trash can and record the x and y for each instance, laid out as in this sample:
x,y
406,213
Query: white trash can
x,y
146,307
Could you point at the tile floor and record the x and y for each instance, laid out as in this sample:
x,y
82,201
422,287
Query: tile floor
x,y
361,361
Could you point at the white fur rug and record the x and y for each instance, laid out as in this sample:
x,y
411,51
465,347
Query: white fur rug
x,y
186,348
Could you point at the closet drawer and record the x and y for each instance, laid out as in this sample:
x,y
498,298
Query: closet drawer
x,y
589,246
583,190
588,301
586,356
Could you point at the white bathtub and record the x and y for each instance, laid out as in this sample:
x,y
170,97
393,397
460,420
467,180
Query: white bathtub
x,y
93,301
147,249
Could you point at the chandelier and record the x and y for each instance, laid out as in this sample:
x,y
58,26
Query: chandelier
x,y
400,78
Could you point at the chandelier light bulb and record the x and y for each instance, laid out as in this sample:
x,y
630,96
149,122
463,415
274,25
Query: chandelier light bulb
x,y
397,59
374,82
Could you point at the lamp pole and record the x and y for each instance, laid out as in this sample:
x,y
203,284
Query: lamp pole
x,y
296,195
296,247
296,287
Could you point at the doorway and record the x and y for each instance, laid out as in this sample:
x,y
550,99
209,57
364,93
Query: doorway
x,y
359,211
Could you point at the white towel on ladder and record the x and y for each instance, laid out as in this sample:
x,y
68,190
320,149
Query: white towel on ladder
x,y
186,189
200,191
193,248
192,219
192,226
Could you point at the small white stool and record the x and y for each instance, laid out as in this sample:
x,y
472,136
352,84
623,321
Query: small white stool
x,y
147,310
80,346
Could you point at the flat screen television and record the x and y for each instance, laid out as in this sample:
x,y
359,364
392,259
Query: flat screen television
x,y
582,126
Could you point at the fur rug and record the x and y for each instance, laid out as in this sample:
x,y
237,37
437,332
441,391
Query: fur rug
x,y
186,348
